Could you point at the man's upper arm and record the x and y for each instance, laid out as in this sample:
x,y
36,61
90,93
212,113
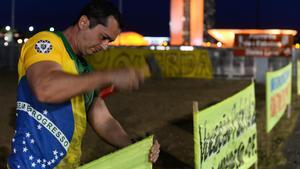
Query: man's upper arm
x,y
40,55
40,70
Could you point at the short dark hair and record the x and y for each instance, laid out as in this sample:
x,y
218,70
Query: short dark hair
x,y
98,11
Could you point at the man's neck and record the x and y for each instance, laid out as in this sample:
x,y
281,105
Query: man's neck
x,y
71,35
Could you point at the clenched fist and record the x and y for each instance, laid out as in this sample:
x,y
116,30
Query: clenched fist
x,y
126,79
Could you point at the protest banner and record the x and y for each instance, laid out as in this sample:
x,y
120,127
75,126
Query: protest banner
x,y
172,63
278,94
135,156
225,134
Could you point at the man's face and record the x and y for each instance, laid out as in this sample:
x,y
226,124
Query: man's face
x,y
95,39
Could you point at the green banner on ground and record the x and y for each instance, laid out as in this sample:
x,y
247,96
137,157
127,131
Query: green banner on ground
x,y
135,156
225,134
278,94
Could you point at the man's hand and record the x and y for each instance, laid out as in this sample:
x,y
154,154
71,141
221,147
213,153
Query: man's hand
x,y
126,79
154,152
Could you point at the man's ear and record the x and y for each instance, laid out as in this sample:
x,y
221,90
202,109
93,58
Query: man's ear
x,y
84,22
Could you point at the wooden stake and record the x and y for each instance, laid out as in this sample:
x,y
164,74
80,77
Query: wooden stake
x,y
289,111
195,106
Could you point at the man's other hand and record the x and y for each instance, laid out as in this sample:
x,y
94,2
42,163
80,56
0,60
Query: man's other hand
x,y
154,152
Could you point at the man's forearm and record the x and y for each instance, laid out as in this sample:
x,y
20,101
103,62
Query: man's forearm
x,y
114,134
59,86
106,126
50,84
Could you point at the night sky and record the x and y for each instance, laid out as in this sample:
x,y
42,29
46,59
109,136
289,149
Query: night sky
x,y
151,17
282,14
146,17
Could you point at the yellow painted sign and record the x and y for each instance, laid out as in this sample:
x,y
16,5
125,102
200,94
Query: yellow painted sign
x,y
172,63
135,156
225,134
278,94
188,64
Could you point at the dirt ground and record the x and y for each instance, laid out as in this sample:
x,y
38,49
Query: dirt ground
x,y
164,108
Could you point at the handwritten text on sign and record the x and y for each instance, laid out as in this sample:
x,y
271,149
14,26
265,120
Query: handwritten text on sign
x,y
225,134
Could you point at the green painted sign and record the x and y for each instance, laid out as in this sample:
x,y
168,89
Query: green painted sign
x,y
225,134
278,94
135,156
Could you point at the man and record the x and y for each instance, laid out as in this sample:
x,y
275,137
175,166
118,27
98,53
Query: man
x,y
56,92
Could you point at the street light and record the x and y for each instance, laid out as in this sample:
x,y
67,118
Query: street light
x,y
31,28
16,35
20,41
6,38
7,28
51,29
